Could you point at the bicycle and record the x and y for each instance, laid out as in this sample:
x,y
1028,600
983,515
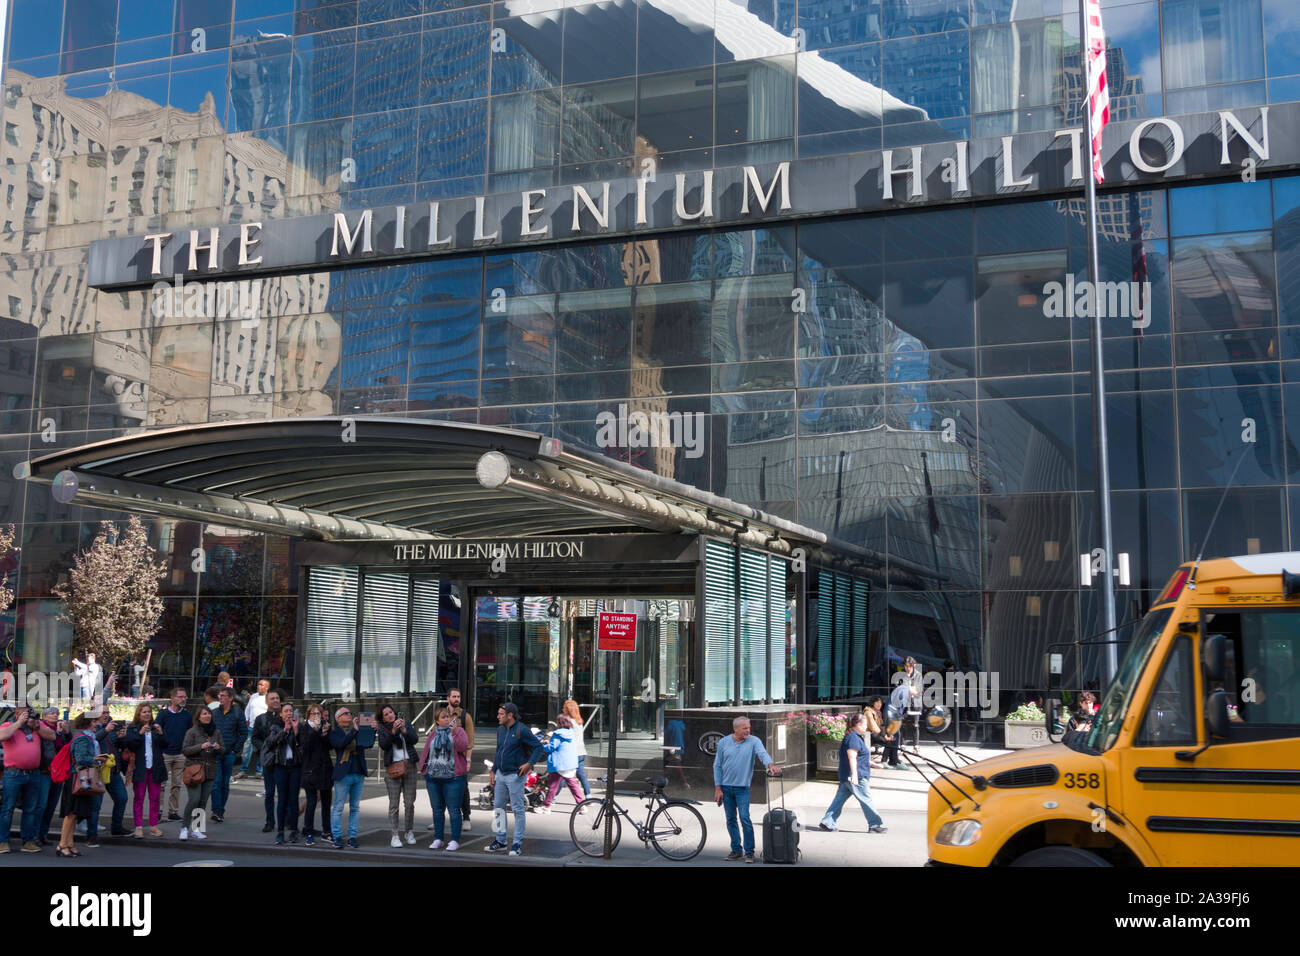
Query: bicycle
x,y
676,829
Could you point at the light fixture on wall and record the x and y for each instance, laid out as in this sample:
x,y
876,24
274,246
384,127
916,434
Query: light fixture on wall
x,y
1014,568
1051,550
1033,606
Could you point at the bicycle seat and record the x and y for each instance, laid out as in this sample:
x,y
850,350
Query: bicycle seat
x,y
658,783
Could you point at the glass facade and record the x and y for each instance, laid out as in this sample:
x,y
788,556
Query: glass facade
x,y
921,403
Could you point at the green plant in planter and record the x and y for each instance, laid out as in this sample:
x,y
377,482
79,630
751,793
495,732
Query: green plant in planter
x,y
1027,711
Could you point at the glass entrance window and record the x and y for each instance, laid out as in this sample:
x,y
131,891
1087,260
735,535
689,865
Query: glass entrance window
x,y
515,636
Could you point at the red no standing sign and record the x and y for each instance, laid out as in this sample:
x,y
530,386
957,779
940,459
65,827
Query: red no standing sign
x,y
617,632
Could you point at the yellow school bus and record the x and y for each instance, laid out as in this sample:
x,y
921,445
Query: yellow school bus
x,y
1193,758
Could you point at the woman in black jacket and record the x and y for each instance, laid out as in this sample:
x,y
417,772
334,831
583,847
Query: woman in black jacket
x,y
397,741
282,754
317,771
145,741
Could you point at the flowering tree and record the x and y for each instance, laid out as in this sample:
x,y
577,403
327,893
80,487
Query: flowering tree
x,y
6,545
111,595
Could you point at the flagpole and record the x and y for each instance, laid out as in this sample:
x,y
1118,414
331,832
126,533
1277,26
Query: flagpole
x,y
1100,442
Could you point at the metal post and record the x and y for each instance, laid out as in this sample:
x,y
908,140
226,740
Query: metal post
x,y
615,662
1100,441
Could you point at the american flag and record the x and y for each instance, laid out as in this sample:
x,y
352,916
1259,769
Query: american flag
x,y
1094,45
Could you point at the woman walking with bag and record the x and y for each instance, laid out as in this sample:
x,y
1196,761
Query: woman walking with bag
x,y
445,763
202,748
77,801
145,741
282,754
397,741
317,772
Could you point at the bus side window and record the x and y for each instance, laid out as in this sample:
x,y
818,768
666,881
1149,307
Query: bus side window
x,y
1170,717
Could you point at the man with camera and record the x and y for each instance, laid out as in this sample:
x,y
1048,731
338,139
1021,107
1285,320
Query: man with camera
x,y
110,734
22,739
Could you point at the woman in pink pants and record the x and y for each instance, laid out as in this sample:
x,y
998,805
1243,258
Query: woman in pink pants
x,y
561,762
145,741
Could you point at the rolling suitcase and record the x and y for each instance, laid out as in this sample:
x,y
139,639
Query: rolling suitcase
x,y
780,838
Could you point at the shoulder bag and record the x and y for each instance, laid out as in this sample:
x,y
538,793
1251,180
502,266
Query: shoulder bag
x,y
194,775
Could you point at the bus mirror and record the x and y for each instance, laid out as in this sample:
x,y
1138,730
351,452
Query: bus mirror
x,y
1213,652
1051,722
1216,713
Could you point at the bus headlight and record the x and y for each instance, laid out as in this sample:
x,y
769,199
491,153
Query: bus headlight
x,y
958,833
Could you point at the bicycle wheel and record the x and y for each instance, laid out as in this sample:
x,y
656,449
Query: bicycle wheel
x,y
587,827
677,830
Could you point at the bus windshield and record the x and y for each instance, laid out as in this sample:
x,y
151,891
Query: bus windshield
x,y
1110,717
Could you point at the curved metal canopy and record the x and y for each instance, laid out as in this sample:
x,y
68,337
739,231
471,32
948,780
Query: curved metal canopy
x,y
366,478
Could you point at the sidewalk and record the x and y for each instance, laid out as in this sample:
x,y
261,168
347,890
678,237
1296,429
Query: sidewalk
x,y
900,797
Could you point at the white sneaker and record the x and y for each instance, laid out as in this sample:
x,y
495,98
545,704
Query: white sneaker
x,y
435,845
200,835
396,842
453,846
185,834
542,809
410,838
430,827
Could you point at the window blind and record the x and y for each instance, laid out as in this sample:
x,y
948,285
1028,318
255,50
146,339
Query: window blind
x,y
331,630
427,648
719,623
383,634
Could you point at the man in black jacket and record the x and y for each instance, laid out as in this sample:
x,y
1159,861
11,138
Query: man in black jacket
x,y
229,718
109,733
261,730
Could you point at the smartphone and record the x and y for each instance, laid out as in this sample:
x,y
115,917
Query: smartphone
x,y
367,718
295,715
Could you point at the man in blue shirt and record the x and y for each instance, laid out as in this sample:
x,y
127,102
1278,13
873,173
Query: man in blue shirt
x,y
733,768
517,750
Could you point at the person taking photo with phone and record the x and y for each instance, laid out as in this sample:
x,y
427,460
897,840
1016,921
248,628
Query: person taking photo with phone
x,y
397,741
317,773
282,754
349,741
145,741
203,748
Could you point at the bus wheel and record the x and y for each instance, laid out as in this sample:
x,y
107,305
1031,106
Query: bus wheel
x,y
1059,856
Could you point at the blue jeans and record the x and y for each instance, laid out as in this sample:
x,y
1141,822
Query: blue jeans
x,y
116,789
221,792
863,793
349,789
445,796
509,789
735,803
288,781
248,756
49,803
27,786
582,775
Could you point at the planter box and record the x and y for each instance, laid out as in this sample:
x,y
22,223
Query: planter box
x,y
1023,734
828,755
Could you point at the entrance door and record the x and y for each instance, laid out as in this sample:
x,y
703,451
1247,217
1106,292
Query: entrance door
x,y
516,635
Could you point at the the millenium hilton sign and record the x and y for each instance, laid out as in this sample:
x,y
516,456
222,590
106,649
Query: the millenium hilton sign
x,y
1241,141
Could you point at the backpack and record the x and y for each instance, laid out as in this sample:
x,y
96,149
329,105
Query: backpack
x,y
61,766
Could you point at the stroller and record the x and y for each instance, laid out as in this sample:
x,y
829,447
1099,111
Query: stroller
x,y
534,791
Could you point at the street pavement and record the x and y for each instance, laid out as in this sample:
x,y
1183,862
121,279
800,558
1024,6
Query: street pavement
x,y
900,797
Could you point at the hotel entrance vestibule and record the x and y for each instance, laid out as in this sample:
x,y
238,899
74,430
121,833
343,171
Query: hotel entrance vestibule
x,y
539,651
